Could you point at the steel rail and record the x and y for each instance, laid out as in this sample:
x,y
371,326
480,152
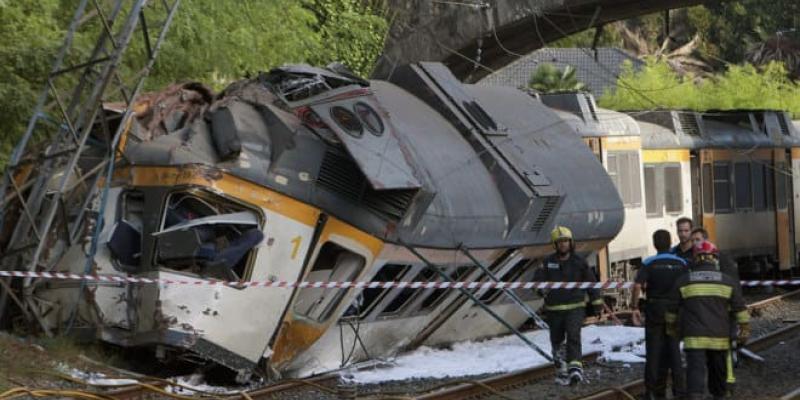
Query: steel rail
x,y
766,302
499,383
637,387
793,395
272,390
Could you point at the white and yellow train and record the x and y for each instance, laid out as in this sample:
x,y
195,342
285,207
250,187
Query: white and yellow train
x,y
731,171
309,174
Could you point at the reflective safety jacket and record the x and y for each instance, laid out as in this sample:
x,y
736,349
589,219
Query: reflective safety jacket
x,y
707,300
573,269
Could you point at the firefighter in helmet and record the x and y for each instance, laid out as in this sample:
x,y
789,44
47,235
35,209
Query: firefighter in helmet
x,y
565,308
707,300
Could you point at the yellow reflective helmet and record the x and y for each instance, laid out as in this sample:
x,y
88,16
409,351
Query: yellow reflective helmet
x,y
559,233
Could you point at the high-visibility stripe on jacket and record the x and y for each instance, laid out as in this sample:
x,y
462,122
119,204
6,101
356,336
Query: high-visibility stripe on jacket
x,y
707,303
573,269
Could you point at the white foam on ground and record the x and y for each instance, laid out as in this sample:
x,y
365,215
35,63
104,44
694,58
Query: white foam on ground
x,y
500,355
195,384
94,378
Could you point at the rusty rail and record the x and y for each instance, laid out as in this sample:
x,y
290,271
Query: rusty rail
x,y
284,386
636,387
498,383
771,300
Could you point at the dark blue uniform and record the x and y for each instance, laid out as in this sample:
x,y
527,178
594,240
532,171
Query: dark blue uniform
x,y
659,275
565,307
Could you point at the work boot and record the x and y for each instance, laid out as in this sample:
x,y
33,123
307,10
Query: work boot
x,y
575,372
562,376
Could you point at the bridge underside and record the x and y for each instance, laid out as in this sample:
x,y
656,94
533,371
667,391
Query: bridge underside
x,y
475,38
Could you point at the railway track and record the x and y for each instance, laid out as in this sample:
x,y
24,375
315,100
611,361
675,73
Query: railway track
x,y
635,388
772,300
506,381
324,382
458,389
792,395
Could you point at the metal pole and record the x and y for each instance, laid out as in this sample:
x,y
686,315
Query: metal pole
x,y
480,304
510,293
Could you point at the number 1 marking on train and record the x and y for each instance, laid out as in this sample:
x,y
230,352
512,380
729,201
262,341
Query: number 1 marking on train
x,y
296,241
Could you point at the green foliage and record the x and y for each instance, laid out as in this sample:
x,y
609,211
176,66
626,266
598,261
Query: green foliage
x,y
740,87
216,42
729,26
608,38
549,79
211,41
352,32
30,37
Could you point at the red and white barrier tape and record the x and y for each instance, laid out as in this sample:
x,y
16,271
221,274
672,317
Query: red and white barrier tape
x,y
344,285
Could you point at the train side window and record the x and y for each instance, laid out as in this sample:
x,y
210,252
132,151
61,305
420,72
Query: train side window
x,y
125,243
769,186
673,190
634,179
208,235
742,184
780,189
437,295
708,193
651,197
334,263
510,276
407,294
722,187
613,173
759,191
372,296
623,168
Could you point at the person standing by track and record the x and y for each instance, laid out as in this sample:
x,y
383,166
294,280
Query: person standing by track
x,y
707,301
728,266
685,245
565,308
657,277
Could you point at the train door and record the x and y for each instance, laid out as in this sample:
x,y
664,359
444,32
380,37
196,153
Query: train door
x,y
706,213
339,253
595,145
783,188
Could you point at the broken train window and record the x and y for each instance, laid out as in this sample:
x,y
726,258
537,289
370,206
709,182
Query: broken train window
x,y
334,263
125,243
208,235
369,297
437,295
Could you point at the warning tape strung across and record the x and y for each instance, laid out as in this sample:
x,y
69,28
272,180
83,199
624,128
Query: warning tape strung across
x,y
344,285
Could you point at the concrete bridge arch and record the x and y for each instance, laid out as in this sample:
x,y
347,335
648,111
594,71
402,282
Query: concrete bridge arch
x,y
475,37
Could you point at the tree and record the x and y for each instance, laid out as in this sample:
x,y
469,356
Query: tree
x,y
781,48
739,87
549,79
682,58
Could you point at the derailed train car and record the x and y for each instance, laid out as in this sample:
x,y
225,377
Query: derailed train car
x,y
307,174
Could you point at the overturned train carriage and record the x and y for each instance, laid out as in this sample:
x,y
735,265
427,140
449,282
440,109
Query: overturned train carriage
x,y
307,174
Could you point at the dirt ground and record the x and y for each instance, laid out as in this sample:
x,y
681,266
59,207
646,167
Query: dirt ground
x,y
45,363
